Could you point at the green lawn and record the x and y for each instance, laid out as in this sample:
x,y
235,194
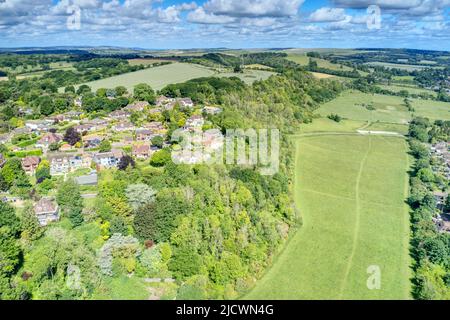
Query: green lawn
x,y
350,191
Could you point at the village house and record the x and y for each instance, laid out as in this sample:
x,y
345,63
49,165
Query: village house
x,y
440,198
82,161
137,106
144,135
30,164
108,159
66,147
78,102
46,211
59,164
39,125
161,101
212,110
48,139
155,110
92,141
156,127
119,115
195,122
141,151
185,103
123,126
23,111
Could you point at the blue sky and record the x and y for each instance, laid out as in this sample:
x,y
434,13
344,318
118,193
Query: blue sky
x,y
180,24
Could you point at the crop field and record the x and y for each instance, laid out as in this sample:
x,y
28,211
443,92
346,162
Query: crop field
x,y
350,191
390,109
145,62
159,77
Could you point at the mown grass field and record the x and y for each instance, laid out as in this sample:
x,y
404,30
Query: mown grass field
x,y
350,191
159,77
390,109
410,89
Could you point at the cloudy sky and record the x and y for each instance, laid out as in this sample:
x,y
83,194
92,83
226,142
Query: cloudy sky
x,y
167,24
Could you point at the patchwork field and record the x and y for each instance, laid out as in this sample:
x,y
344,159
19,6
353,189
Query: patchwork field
x,y
390,109
407,67
159,77
350,191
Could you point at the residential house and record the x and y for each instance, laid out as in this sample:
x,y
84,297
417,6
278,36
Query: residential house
x,y
46,211
92,141
120,115
59,164
73,115
30,164
82,161
161,101
195,122
78,102
155,110
212,110
141,151
440,198
123,126
156,127
23,112
39,125
48,139
108,159
137,106
144,135
185,103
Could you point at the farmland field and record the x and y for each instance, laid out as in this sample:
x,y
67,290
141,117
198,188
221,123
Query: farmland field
x,y
391,109
354,217
304,60
159,77
410,89
407,67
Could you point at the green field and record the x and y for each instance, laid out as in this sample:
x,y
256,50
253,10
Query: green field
x,y
407,67
350,191
159,77
321,63
390,109
410,89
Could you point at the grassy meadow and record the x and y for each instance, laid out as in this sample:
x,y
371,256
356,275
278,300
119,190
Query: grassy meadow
x,y
354,216
390,109
159,77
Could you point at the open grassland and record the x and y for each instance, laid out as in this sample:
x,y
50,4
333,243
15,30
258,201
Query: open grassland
x,y
407,67
410,89
321,63
434,110
145,61
350,191
159,77
390,109
327,125
350,105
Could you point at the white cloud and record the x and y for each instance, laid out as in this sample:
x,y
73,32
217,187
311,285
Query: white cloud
x,y
328,15
200,16
254,8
